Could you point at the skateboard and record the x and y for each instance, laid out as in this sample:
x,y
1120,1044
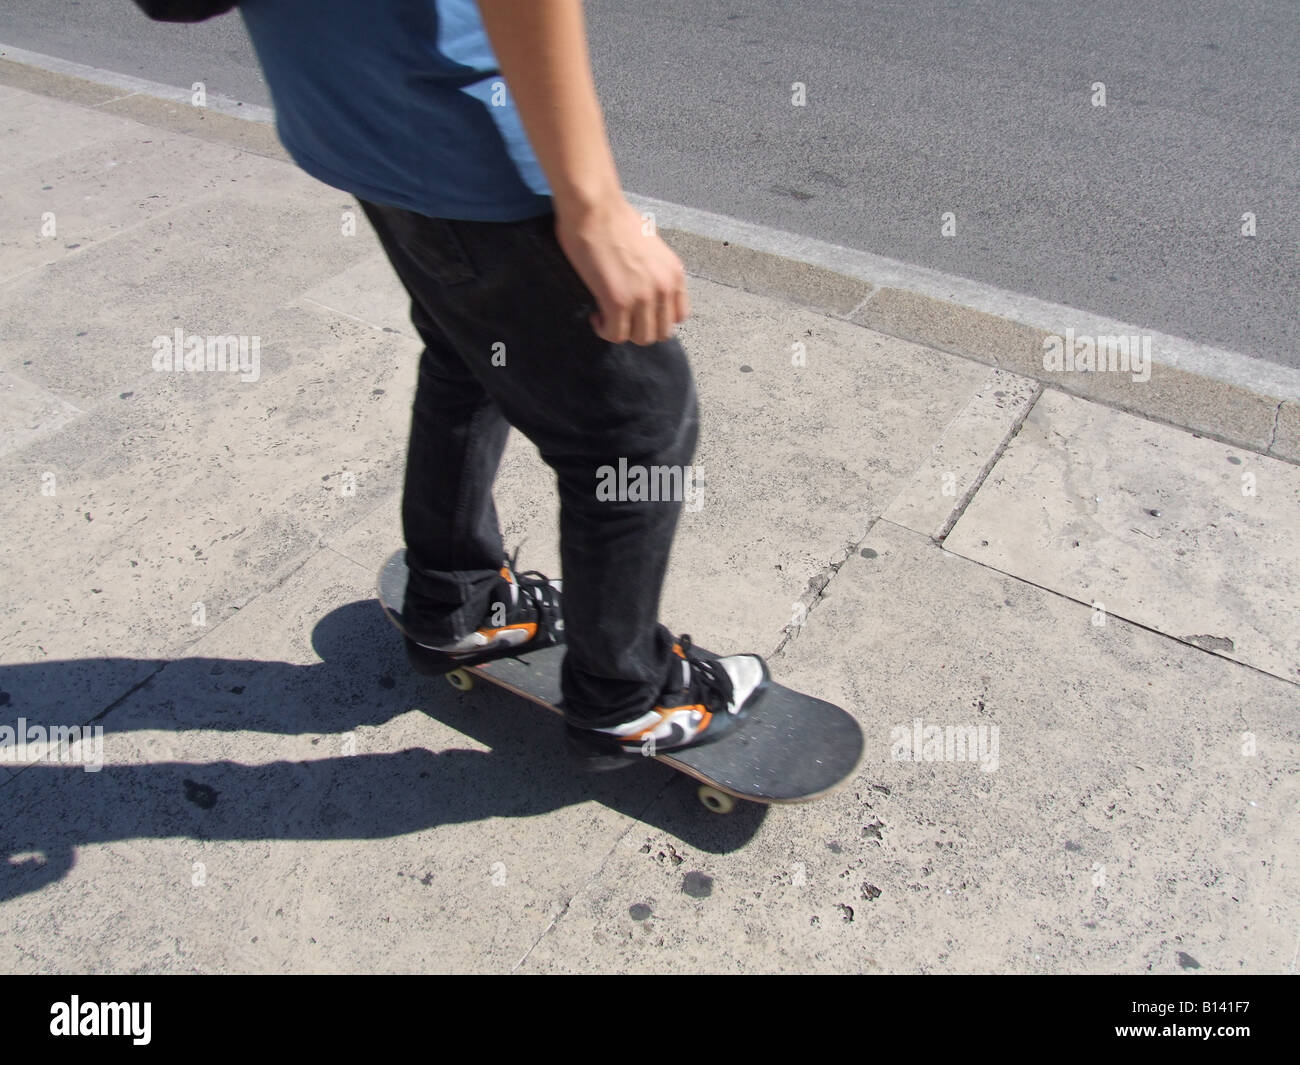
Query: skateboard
x,y
790,748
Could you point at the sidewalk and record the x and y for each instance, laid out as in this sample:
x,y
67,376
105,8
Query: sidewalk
x,y
1111,603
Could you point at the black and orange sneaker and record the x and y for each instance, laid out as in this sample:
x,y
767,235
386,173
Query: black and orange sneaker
x,y
525,615
702,701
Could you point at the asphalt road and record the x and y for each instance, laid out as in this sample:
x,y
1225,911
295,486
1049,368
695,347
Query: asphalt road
x,y
915,108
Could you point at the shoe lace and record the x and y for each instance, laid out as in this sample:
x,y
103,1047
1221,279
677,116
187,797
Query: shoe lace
x,y
710,684
538,588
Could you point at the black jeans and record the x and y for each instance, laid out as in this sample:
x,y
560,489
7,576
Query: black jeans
x,y
503,316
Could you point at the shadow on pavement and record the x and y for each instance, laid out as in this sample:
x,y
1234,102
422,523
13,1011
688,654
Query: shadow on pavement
x,y
362,681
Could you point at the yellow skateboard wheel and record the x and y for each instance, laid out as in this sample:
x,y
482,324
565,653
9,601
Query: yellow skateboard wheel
x,y
719,802
460,680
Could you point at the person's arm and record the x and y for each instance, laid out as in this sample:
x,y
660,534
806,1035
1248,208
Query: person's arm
x,y
638,281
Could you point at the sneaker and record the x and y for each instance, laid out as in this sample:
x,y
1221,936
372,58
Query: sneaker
x,y
704,699
525,615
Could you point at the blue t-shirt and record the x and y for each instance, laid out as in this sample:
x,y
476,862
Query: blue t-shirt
x,y
399,102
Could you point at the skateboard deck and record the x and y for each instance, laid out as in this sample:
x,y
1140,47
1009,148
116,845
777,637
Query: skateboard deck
x,y
790,748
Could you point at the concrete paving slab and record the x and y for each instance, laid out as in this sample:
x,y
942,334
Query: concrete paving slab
x,y
970,444
67,202
1184,535
219,268
36,128
368,292
28,411
809,427
287,796
1135,818
194,493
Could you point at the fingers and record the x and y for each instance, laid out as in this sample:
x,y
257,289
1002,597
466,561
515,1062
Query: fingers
x,y
643,299
647,320
672,301
618,322
667,315
645,329
613,322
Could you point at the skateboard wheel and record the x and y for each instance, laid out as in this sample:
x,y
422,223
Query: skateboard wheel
x,y
460,680
719,802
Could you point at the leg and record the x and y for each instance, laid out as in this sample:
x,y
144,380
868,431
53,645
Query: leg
x,y
618,651
516,313
453,542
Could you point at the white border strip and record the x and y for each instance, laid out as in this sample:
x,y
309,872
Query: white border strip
x,y
1219,364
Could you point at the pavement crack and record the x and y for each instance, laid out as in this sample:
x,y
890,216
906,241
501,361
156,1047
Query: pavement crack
x,y
558,916
977,482
162,664
159,666
816,590
1272,436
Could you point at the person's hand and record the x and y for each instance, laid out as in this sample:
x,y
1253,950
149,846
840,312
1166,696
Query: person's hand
x,y
638,281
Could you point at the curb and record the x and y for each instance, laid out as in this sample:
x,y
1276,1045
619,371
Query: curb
x,y
1211,392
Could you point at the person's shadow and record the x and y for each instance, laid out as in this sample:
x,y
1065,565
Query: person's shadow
x,y
49,809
